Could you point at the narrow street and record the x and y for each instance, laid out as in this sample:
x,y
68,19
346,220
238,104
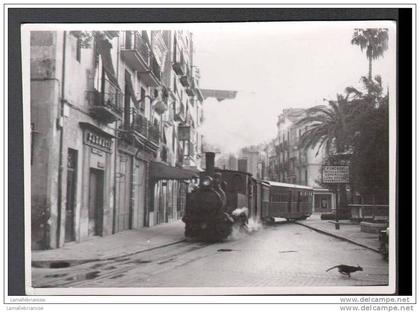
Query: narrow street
x,y
275,256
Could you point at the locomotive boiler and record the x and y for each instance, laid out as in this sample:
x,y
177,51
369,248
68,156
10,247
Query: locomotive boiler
x,y
209,208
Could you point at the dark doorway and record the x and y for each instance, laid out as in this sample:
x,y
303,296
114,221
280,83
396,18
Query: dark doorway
x,y
96,200
71,194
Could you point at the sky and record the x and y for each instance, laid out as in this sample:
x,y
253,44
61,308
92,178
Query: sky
x,y
277,65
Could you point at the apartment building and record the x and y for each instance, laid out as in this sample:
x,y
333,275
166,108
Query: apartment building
x,y
296,165
115,119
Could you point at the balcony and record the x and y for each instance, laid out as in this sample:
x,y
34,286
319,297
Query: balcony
x,y
138,55
186,81
186,133
136,52
140,124
106,105
180,113
154,133
153,76
168,118
144,130
190,91
179,66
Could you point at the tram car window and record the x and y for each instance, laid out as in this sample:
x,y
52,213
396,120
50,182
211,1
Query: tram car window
x,y
289,201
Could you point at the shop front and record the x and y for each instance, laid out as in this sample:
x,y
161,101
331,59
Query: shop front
x,y
131,187
97,184
169,188
324,200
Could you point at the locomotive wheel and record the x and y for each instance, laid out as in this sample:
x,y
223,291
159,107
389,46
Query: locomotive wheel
x,y
216,232
223,230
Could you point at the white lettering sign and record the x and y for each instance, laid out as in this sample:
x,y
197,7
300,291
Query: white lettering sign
x,y
335,174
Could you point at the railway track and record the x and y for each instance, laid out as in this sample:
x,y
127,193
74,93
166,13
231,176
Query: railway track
x,y
112,268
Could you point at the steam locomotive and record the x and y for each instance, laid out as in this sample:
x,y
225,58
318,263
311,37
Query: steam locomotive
x,y
228,198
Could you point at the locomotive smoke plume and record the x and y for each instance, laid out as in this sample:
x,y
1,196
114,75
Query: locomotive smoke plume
x,y
252,226
230,125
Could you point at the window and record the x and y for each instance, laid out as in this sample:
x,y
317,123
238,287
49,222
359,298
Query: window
x,y
175,48
128,40
186,147
78,49
173,139
280,197
143,99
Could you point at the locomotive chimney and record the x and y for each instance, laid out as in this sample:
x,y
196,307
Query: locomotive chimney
x,y
210,163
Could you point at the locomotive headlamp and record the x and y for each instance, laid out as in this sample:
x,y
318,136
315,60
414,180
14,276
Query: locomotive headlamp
x,y
206,181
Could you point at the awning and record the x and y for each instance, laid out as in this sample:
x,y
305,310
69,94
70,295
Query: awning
x,y
161,171
104,49
130,88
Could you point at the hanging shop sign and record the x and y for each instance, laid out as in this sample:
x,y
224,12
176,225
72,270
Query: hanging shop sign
x,y
335,174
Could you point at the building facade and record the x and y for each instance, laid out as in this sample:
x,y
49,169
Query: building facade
x,y
115,119
291,163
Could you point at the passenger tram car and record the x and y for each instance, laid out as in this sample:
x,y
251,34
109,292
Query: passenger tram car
x,y
289,201
228,198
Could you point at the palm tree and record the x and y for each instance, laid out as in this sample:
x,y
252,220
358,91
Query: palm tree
x,y
372,96
328,126
374,41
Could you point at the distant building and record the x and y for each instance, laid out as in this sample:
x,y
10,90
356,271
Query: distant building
x,y
243,164
293,164
272,161
252,155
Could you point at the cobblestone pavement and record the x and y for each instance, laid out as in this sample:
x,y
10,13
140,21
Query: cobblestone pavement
x,y
276,256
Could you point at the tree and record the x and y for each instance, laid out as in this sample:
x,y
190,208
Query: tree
x,y
374,41
369,123
328,126
370,159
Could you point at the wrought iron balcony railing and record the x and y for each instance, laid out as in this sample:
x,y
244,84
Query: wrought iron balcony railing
x,y
154,133
141,46
141,126
139,123
136,52
107,102
155,68
179,65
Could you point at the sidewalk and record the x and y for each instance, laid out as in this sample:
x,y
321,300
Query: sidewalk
x,y
348,231
111,246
